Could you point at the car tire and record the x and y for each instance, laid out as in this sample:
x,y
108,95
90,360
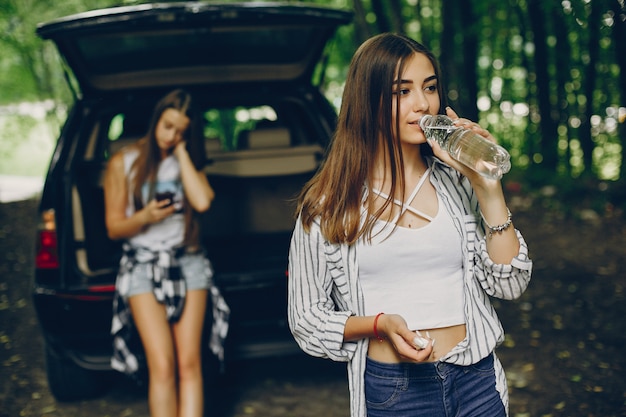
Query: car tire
x,y
69,382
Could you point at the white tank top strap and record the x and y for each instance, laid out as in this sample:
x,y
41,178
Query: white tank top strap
x,y
406,206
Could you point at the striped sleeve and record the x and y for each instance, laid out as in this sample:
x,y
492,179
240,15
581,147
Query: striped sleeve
x,y
506,281
316,288
497,280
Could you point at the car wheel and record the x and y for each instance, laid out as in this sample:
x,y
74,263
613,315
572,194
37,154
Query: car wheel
x,y
69,382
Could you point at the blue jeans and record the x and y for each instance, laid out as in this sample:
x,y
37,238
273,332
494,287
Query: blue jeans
x,y
433,389
194,266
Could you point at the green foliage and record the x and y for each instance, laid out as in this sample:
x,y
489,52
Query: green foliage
x,y
31,72
548,85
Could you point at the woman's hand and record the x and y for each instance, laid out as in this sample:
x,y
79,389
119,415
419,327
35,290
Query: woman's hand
x,y
468,124
395,329
180,149
155,211
196,186
475,178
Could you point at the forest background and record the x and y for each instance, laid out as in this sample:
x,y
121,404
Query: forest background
x,y
547,78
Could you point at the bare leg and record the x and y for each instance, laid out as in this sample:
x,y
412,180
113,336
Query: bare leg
x,y
188,338
156,336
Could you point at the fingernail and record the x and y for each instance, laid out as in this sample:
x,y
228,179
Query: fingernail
x,y
420,342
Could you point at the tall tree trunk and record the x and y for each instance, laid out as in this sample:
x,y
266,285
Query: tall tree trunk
x,y
548,127
361,28
563,64
470,59
619,40
382,23
395,16
447,53
459,59
593,48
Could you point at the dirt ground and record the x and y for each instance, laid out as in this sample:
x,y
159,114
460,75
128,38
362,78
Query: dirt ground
x,y
564,352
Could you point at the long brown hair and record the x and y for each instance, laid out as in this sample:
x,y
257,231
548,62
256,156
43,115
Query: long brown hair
x,y
335,193
145,167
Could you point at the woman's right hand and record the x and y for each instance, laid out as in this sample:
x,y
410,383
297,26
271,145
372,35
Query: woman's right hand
x,y
394,328
155,211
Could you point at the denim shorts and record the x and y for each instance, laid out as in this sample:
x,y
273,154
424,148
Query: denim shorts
x,y
195,268
433,389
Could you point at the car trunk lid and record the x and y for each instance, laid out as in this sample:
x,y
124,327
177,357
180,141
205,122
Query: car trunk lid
x,y
160,45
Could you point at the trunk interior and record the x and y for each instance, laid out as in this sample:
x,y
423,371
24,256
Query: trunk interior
x,y
246,233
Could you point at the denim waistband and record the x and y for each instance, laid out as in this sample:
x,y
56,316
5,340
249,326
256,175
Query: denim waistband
x,y
412,370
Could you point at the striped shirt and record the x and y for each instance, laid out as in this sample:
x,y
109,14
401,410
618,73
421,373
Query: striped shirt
x,y
324,290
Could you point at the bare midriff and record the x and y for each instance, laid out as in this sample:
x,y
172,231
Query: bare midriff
x,y
446,338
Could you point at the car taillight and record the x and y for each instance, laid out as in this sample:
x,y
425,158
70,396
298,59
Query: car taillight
x,y
47,249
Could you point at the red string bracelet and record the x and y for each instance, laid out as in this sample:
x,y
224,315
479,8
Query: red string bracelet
x,y
380,339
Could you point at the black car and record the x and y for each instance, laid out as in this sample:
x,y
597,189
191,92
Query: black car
x,y
251,65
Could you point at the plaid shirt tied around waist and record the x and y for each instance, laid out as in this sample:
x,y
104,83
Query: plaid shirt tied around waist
x,y
169,288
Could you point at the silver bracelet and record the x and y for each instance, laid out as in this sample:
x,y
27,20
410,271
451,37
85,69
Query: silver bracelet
x,y
499,228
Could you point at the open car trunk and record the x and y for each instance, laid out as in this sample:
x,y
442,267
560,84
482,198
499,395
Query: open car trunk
x,y
257,174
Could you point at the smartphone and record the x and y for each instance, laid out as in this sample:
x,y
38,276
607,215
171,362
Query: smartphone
x,y
167,195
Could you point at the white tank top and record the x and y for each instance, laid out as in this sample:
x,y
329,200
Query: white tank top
x,y
416,273
168,233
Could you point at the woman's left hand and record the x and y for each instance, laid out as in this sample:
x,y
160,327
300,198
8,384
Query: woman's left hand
x,y
196,186
444,156
179,148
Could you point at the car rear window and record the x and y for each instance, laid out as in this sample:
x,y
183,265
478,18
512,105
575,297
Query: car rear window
x,y
227,126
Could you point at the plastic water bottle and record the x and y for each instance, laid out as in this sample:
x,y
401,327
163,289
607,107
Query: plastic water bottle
x,y
482,155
